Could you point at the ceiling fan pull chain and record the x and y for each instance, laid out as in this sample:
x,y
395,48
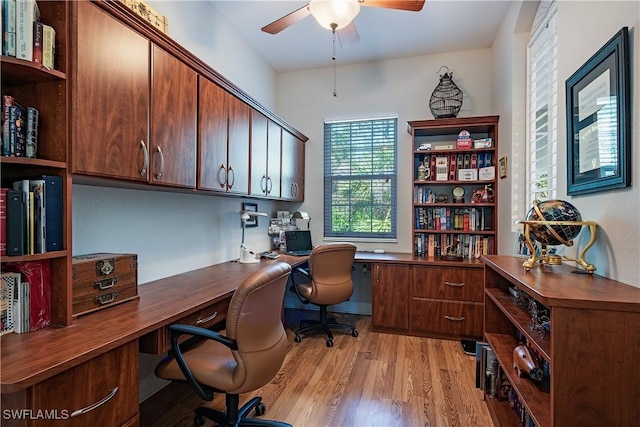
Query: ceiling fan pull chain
x,y
333,58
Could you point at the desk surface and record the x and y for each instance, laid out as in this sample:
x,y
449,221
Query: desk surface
x,y
28,359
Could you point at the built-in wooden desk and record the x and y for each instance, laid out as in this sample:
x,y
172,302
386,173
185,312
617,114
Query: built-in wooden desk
x,y
61,370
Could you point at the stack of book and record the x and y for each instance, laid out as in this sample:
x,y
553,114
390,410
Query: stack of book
x,y
33,218
19,129
24,36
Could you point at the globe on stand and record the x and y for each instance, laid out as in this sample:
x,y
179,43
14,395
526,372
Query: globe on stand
x,y
555,222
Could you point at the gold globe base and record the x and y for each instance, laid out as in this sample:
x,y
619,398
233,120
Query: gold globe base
x,y
553,259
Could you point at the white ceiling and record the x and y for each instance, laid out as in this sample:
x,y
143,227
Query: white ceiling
x,y
442,26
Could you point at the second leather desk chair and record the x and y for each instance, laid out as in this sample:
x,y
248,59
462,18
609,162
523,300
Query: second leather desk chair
x,y
327,282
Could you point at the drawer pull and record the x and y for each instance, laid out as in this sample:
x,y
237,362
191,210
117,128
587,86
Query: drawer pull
x,y
95,405
207,319
454,284
105,283
106,298
456,319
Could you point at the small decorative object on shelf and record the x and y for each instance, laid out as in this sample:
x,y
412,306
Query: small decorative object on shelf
x,y
523,362
483,195
446,99
152,16
464,140
555,222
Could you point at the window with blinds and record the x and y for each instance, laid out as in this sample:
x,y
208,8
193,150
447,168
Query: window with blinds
x,y
543,107
360,178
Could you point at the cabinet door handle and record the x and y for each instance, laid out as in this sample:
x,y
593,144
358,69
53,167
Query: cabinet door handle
x,y
454,284
263,184
207,319
222,176
159,151
145,165
455,319
377,274
95,405
231,174
269,185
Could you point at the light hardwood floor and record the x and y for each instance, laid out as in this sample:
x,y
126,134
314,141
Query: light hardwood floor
x,y
373,380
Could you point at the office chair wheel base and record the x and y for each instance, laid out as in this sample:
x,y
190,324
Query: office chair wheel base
x,y
329,343
354,333
198,421
298,338
260,409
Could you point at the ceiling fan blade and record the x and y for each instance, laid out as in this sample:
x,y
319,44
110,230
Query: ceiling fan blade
x,y
280,24
348,35
410,5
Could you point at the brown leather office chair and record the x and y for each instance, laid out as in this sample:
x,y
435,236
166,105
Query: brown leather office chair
x,y
243,359
326,282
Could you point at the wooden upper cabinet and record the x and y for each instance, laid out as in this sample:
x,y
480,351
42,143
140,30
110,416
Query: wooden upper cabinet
x,y
259,148
238,146
110,97
265,156
274,158
174,94
212,136
223,134
292,167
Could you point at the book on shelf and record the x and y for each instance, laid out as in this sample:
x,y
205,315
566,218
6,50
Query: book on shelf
x,y
9,27
31,142
37,276
15,223
7,101
48,46
23,186
37,42
16,130
51,214
27,13
39,214
21,306
3,221
7,290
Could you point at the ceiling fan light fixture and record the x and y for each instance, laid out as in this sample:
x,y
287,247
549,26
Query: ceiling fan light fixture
x,y
334,14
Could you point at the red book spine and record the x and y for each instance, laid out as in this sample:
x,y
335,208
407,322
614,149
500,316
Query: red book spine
x,y
38,275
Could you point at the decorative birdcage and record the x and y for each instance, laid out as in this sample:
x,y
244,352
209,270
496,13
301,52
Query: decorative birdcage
x,y
446,98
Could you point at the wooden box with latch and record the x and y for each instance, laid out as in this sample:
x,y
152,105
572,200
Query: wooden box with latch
x,y
101,280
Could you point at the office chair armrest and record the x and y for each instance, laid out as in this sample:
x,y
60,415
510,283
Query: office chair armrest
x,y
195,331
176,332
294,286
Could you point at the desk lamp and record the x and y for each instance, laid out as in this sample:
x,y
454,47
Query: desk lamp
x,y
302,215
247,256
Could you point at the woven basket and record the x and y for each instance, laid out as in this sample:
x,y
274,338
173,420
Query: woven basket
x,y
446,98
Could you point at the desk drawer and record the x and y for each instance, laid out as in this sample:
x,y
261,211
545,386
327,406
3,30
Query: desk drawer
x,y
446,318
159,341
450,283
100,392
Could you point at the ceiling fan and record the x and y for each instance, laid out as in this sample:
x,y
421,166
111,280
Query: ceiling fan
x,y
337,15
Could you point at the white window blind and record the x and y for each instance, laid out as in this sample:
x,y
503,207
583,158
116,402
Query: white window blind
x,y
541,180
360,178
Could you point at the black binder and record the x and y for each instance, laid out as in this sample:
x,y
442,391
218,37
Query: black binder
x,y
16,223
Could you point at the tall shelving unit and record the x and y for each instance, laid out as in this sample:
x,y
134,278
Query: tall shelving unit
x,y
469,224
33,85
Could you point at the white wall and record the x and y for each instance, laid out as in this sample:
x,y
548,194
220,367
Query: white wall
x,y
585,26
399,86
